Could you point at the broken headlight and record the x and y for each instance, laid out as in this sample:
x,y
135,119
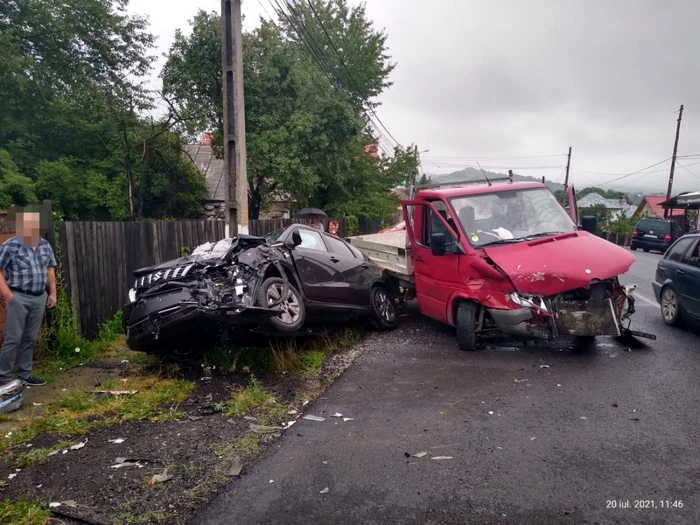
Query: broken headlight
x,y
525,301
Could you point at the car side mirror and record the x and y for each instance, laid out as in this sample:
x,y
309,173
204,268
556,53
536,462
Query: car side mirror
x,y
589,224
294,241
437,244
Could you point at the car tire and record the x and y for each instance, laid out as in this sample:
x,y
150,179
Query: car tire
x,y
670,308
465,323
633,248
294,311
646,250
384,314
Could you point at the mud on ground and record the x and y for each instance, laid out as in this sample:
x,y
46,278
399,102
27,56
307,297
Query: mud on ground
x,y
200,450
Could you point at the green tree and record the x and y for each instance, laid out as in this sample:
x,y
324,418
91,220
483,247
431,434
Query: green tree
x,y
15,188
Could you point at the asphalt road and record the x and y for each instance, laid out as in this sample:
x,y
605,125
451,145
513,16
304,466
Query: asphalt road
x,y
536,435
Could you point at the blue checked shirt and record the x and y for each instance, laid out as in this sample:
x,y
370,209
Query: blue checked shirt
x,y
25,269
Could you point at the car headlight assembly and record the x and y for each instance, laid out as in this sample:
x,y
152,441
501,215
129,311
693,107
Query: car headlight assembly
x,y
132,295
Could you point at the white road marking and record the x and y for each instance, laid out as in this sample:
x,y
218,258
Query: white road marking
x,y
645,299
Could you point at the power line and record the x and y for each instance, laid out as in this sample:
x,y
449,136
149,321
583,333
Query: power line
x,y
497,158
686,169
635,172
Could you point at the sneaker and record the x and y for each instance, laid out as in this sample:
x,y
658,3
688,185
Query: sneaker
x,y
34,381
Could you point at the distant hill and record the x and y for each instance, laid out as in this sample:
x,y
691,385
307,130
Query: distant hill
x,y
470,174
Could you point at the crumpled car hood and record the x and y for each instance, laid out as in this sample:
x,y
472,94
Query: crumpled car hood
x,y
560,263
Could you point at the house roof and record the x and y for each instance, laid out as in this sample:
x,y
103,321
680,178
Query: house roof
x,y
595,199
654,202
213,169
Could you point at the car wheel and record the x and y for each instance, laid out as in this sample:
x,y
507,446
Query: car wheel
x,y
466,320
292,310
633,248
383,310
646,250
670,309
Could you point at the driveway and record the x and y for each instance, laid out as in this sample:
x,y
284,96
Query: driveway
x,y
534,435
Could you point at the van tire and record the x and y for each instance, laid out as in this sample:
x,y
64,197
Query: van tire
x,y
465,323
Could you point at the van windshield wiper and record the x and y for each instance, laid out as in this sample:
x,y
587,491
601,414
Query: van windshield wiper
x,y
536,235
500,241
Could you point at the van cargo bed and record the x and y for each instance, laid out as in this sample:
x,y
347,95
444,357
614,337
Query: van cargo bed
x,y
388,251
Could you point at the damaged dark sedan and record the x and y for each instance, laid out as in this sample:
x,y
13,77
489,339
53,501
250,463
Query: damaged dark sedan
x,y
277,285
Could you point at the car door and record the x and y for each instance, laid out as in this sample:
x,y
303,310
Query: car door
x,y
354,275
436,276
316,270
688,278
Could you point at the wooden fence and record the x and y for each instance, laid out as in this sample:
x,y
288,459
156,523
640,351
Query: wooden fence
x,y
99,258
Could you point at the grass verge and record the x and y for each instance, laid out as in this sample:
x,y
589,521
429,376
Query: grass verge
x,y
23,512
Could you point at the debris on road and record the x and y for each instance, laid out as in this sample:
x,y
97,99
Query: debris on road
x,y
161,478
289,424
345,419
78,446
54,504
491,412
235,469
324,491
129,462
117,441
545,366
532,439
195,418
420,455
337,414
293,412
583,417
309,417
272,481
264,429
441,457
115,392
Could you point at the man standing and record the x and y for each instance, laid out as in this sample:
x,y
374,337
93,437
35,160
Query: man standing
x,y
315,223
27,269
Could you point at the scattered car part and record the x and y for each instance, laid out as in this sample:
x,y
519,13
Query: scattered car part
x,y
11,396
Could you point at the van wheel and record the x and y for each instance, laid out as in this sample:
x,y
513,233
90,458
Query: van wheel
x,y
384,315
670,309
292,311
465,322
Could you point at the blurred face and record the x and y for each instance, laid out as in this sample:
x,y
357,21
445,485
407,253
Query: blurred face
x,y
314,219
29,225
333,228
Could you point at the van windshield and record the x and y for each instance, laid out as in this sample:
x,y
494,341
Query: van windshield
x,y
511,216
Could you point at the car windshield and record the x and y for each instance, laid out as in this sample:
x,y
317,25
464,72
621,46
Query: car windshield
x,y
273,236
511,216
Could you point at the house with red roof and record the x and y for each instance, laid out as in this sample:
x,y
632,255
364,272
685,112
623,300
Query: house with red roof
x,y
651,207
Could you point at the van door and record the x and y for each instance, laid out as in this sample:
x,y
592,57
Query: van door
x,y
436,276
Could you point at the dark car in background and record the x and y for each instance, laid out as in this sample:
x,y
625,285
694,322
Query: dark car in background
x,y
655,234
677,281
276,285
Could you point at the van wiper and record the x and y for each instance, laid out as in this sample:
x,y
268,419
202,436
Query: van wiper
x,y
500,241
536,235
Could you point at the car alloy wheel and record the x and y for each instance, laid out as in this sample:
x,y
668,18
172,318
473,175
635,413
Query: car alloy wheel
x,y
384,307
290,306
669,306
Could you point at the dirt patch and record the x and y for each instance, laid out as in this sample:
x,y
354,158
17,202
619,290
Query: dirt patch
x,y
201,451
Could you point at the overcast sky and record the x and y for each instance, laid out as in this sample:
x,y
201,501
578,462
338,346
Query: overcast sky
x,y
477,80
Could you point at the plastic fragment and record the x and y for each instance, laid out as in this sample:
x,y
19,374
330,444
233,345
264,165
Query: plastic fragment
x,y
236,469
54,504
324,491
264,429
309,417
10,476
420,455
293,412
78,446
583,417
195,418
289,424
272,481
116,441
545,366
337,414
161,478
348,419
441,457
490,412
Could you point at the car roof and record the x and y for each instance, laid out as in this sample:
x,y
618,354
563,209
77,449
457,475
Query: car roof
x,y
478,189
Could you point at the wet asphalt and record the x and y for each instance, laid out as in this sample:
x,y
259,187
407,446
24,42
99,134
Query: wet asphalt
x,y
537,434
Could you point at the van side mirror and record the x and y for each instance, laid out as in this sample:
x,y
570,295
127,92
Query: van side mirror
x,y
294,241
437,244
589,224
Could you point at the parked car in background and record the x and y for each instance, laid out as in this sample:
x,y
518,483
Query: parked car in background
x,y
655,234
275,284
399,226
677,281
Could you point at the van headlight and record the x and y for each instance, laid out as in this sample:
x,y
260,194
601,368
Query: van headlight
x,y
525,301
132,295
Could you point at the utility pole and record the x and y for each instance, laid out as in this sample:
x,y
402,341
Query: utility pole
x,y
234,117
568,163
673,159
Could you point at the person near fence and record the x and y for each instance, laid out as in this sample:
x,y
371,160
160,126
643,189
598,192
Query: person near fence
x,y
316,223
333,227
27,271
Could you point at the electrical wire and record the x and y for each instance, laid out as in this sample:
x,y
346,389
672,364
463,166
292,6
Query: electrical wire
x,y
635,172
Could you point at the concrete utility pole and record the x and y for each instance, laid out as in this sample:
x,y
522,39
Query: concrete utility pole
x,y
234,118
673,160
568,163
